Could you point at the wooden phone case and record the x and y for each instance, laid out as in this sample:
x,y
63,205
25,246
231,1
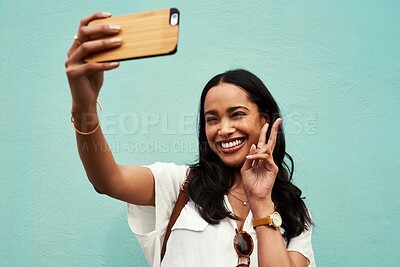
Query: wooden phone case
x,y
143,34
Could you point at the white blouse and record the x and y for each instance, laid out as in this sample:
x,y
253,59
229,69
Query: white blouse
x,y
193,242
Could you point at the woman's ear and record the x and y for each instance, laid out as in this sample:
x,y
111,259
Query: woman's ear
x,y
264,117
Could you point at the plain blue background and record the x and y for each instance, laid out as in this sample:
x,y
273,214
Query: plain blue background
x,y
333,66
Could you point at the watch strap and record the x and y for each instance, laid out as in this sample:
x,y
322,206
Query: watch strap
x,y
262,221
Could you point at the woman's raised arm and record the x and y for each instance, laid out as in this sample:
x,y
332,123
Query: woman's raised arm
x,y
133,184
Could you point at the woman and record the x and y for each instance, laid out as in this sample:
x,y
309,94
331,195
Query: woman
x,y
243,209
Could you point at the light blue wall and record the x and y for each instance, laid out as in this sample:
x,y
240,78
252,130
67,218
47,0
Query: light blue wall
x,y
332,65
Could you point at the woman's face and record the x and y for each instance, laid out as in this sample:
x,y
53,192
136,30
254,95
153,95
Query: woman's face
x,y
233,123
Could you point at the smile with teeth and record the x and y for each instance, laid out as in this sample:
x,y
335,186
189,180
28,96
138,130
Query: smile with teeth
x,y
231,144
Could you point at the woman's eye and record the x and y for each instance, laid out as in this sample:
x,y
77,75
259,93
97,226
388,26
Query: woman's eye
x,y
210,119
238,114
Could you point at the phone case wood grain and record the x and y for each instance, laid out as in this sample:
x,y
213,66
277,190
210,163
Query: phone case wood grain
x,y
143,35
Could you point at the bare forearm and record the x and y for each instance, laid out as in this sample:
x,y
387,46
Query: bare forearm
x,y
132,184
271,248
94,151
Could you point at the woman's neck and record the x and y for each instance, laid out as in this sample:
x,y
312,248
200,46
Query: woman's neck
x,y
238,184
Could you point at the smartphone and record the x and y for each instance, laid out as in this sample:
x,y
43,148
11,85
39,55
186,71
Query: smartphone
x,y
146,34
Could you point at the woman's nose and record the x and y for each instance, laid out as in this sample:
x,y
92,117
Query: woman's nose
x,y
226,128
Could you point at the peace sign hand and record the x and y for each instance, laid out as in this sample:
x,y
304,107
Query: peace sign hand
x,y
259,169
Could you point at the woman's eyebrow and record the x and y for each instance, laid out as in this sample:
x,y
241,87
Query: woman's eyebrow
x,y
229,110
210,112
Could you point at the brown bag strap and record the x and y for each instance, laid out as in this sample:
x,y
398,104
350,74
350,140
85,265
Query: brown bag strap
x,y
180,203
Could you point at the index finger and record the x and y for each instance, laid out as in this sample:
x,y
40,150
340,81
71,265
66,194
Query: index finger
x,y
263,136
274,134
98,15
80,36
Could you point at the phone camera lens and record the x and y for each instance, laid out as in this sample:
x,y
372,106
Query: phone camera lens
x,y
174,19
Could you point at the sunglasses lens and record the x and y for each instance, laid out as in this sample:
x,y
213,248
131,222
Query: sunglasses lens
x,y
243,244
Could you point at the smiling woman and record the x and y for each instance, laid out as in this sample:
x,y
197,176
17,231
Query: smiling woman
x,y
233,123
238,112
242,205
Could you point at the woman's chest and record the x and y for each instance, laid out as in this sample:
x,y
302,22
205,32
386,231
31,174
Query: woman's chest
x,y
194,242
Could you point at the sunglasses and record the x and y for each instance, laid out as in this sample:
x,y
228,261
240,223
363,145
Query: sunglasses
x,y
243,244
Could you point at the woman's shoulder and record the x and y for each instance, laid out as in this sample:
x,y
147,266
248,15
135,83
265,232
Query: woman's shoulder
x,y
168,175
167,168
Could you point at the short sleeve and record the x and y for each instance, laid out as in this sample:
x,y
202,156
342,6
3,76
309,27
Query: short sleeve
x,y
149,223
302,244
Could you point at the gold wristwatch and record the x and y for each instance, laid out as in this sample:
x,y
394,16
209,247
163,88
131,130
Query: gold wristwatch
x,y
274,220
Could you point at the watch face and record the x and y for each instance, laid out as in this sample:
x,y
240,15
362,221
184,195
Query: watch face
x,y
276,219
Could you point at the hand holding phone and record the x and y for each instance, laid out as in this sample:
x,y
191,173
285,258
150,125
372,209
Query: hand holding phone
x,y
146,34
